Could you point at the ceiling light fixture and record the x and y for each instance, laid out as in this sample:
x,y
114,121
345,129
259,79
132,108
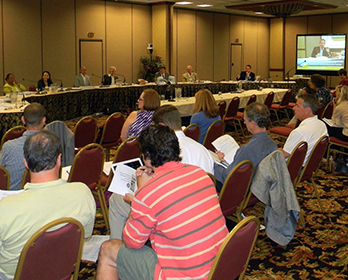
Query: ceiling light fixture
x,y
204,5
184,3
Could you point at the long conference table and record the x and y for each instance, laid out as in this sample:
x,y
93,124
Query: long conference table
x,y
71,103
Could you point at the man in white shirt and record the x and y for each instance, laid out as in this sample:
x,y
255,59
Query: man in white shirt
x,y
311,129
82,80
192,152
111,78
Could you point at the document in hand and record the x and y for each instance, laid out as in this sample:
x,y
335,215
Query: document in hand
x,y
330,122
124,180
228,146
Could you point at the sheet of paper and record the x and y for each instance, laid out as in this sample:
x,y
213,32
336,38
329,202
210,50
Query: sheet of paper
x,y
124,180
216,159
4,194
107,167
91,247
330,122
227,145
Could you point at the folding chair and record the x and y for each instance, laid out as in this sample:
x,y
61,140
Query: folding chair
x,y
13,133
85,132
193,131
215,130
282,105
222,108
4,179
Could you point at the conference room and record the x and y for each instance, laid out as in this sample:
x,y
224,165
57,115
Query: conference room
x,y
218,42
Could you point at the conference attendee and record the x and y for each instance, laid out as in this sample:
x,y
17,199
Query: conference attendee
x,y
340,115
110,79
45,199
205,111
11,84
148,103
189,76
191,152
317,83
45,81
310,130
162,72
256,117
82,80
246,75
177,208
342,73
321,50
11,154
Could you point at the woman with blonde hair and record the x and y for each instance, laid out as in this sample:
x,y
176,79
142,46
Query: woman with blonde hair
x,y
205,111
340,114
148,103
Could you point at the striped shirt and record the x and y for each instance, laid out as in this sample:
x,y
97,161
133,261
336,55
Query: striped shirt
x,y
179,211
144,119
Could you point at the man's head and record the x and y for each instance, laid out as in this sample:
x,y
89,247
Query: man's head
x,y
322,43
167,115
83,70
159,145
34,116
248,68
306,106
112,71
42,151
162,69
189,69
342,73
256,116
316,81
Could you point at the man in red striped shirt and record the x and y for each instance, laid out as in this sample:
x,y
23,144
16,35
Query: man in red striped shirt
x,y
177,208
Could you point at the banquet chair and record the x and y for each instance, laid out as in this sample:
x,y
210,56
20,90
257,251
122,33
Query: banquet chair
x,y
240,114
215,130
312,165
234,194
52,254
328,111
13,133
284,131
222,108
336,146
128,149
269,99
231,113
85,132
320,111
111,135
87,167
234,254
25,179
275,107
193,131
4,179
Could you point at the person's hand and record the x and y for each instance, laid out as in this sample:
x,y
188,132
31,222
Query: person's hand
x,y
220,155
143,174
128,198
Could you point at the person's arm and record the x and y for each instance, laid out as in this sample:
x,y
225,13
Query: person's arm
x,y
21,87
314,52
125,129
286,155
252,76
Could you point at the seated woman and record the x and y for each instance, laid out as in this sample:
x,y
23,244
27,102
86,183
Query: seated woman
x,y
148,103
205,111
45,81
11,84
317,83
340,115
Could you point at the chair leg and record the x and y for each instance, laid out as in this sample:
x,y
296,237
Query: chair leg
x,y
317,195
104,208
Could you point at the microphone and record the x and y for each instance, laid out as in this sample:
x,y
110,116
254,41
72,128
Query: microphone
x,y
124,78
287,73
59,80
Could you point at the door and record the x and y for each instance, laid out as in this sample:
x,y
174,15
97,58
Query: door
x,y
91,56
236,60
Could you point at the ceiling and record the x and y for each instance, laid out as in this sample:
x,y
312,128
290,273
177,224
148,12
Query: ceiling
x,y
220,6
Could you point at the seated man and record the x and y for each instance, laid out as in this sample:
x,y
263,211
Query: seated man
x,y
256,116
177,208
321,50
190,76
191,152
82,80
11,155
246,75
311,129
111,78
45,199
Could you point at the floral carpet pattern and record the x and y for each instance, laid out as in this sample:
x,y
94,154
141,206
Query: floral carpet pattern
x,y
319,249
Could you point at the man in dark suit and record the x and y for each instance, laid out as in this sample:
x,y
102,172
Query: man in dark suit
x,y
246,75
111,78
162,73
321,50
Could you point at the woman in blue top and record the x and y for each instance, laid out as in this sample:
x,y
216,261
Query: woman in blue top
x,y
205,111
45,81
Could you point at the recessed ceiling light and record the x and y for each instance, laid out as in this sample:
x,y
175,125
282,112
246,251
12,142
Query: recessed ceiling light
x,y
259,13
184,3
204,5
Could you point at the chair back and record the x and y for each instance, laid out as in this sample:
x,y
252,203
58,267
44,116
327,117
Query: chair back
x,y
295,160
85,131
269,99
215,130
52,254
25,178
232,108
286,98
252,99
328,111
13,133
87,166
320,111
193,131
4,179
112,130
314,159
222,108
234,254
234,192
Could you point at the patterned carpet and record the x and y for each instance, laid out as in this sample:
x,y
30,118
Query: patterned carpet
x,y
319,249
